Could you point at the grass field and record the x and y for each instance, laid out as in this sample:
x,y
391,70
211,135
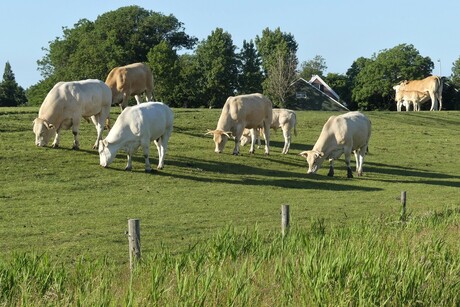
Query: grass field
x,y
210,223
61,201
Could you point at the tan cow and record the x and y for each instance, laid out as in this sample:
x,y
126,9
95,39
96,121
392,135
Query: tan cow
x,y
282,118
66,104
431,85
239,112
343,134
130,80
406,98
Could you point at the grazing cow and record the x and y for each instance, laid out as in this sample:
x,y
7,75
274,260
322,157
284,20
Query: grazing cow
x,y
138,126
346,133
431,85
406,98
239,112
66,104
130,80
281,118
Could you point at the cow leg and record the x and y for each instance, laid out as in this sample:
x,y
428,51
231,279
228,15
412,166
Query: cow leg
x,y
434,102
124,102
266,132
162,147
75,129
359,156
347,161
161,152
129,165
398,106
239,133
331,168
57,139
287,140
76,142
98,121
259,132
253,141
149,96
138,99
146,148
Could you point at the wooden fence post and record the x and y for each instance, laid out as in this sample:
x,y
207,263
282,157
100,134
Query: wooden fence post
x,y
284,219
134,240
403,203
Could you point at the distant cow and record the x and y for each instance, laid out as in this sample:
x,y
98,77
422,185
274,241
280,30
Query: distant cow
x,y
66,104
406,98
239,112
138,126
130,80
346,133
281,118
431,85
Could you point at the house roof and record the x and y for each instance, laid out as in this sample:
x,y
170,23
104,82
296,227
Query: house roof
x,y
316,77
332,100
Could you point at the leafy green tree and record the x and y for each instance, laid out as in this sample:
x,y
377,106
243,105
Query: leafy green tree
x,y
163,61
315,66
218,67
120,37
250,77
373,84
279,61
455,78
451,93
189,88
269,43
281,75
11,94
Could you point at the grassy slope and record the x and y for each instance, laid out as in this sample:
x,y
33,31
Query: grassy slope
x,y
62,201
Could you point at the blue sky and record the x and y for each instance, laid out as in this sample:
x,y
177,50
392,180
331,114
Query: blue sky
x,y
339,30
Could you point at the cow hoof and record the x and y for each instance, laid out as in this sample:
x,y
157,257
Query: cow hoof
x,y
54,146
149,171
236,153
128,169
75,148
330,174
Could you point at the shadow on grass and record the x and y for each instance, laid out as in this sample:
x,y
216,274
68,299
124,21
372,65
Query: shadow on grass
x,y
235,173
412,175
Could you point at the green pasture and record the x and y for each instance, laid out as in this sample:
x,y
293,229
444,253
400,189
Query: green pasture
x,y
61,202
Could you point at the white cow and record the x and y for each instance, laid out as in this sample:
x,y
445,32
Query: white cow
x,y
137,126
66,104
343,134
431,85
239,112
130,80
281,118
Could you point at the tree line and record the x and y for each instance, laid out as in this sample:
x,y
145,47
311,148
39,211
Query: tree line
x,y
192,73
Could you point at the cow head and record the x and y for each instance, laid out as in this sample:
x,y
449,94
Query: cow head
x,y
43,132
314,158
220,138
105,155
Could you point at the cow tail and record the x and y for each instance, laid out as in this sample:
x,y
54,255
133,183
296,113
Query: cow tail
x,y
295,124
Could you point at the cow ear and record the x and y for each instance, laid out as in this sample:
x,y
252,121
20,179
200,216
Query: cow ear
x,y
50,126
209,132
320,154
228,134
304,154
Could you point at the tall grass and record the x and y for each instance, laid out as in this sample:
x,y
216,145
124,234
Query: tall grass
x,y
373,262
